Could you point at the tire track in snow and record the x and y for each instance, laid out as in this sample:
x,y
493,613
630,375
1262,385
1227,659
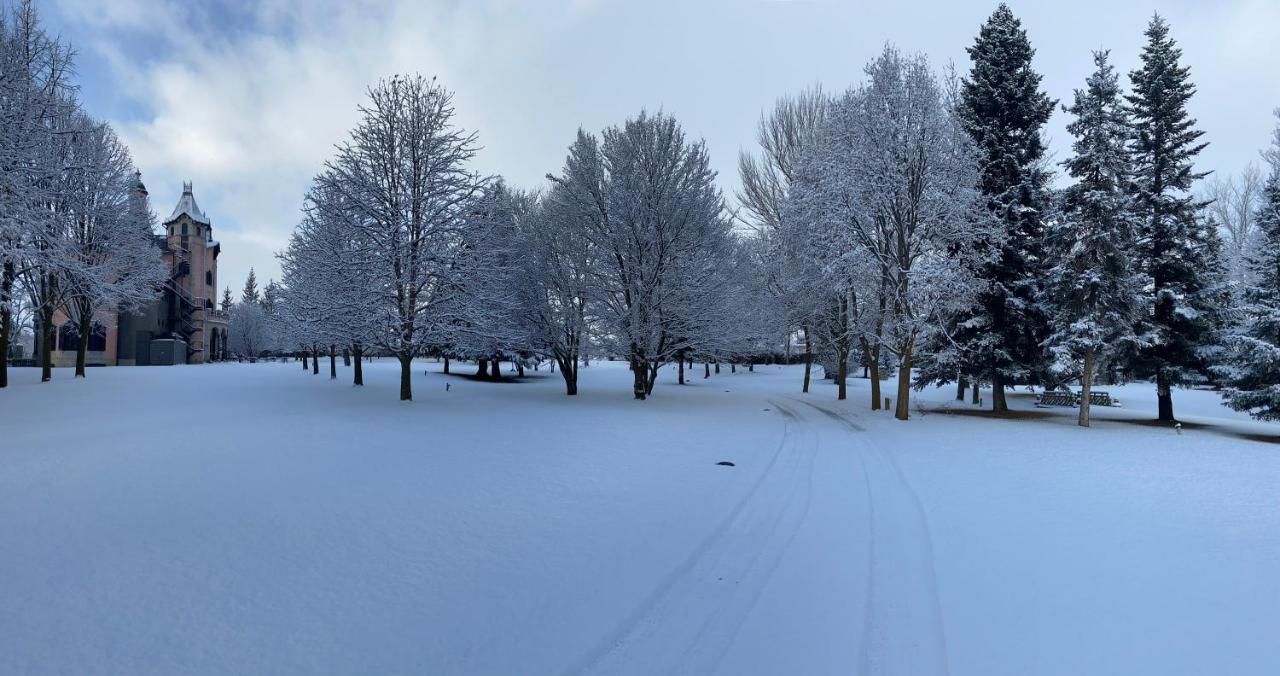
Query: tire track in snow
x,y
903,632
692,617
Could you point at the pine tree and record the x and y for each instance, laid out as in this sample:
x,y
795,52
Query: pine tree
x,y
1093,289
1003,109
227,302
1253,357
1177,248
250,293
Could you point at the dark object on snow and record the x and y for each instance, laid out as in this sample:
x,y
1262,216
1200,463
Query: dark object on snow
x,y
726,463
1072,399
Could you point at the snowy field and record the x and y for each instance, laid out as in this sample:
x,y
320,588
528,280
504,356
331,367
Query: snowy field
x,y
302,525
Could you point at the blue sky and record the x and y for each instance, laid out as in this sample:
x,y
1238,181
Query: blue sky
x,y
246,99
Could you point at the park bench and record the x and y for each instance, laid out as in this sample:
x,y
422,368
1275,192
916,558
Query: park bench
x,y
1072,399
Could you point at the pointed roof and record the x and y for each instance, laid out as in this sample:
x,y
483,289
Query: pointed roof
x,y
187,205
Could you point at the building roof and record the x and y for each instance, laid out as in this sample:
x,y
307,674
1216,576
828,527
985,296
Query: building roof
x,y
187,205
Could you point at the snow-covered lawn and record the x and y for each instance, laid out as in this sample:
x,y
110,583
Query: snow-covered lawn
x,y
258,519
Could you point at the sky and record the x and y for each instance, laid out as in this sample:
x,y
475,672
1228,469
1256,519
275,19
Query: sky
x,y
247,99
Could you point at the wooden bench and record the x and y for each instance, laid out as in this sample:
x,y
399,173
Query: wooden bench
x,y
1072,399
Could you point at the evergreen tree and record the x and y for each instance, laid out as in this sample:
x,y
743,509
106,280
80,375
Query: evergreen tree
x,y
250,293
1177,249
1253,357
1093,288
1003,109
227,302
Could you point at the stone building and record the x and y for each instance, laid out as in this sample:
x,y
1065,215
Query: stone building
x,y
183,324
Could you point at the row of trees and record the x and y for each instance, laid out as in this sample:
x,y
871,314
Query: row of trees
x,y
402,248
75,235
910,222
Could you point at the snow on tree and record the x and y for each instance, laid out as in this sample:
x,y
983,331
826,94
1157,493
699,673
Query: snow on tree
x,y
1233,203
1177,248
111,262
559,267
35,89
250,292
1003,109
646,200
1252,368
1094,291
403,173
896,181
227,301
767,180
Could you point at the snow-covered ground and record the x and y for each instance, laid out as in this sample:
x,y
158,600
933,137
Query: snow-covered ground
x,y
258,519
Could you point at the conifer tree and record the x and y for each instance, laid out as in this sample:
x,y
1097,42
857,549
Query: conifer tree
x,y
1093,290
1003,108
227,301
250,293
1177,248
1253,357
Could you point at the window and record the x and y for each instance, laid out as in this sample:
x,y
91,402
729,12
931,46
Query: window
x,y
68,337
208,277
98,338
186,241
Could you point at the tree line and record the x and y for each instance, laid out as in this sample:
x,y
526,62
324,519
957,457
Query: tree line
x,y
75,230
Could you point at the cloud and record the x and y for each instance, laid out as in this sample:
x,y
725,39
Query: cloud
x,y
248,99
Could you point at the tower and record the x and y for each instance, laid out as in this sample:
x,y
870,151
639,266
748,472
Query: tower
x,y
192,290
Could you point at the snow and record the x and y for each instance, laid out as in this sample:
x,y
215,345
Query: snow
x,y
259,519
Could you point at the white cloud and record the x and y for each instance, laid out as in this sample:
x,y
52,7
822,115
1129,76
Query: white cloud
x,y
247,100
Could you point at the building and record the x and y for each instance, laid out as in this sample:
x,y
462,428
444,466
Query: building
x,y
183,324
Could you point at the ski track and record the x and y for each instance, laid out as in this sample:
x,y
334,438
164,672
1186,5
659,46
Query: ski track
x,y
691,619
903,632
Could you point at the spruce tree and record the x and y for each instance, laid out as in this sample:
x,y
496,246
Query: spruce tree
x,y
1003,109
1093,290
1177,246
1253,357
227,302
250,293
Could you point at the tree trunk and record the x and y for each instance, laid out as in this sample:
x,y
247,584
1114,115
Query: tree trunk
x,y
875,384
639,369
482,368
446,366
842,372
6,319
568,371
1164,397
304,361
652,378
494,373
904,384
961,385
520,369
1086,382
717,368
315,360
406,385
333,363
808,360
977,393
82,345
871,364
751,366
998,403
733,367
346,356
706,370
46,345
358,376
680,378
